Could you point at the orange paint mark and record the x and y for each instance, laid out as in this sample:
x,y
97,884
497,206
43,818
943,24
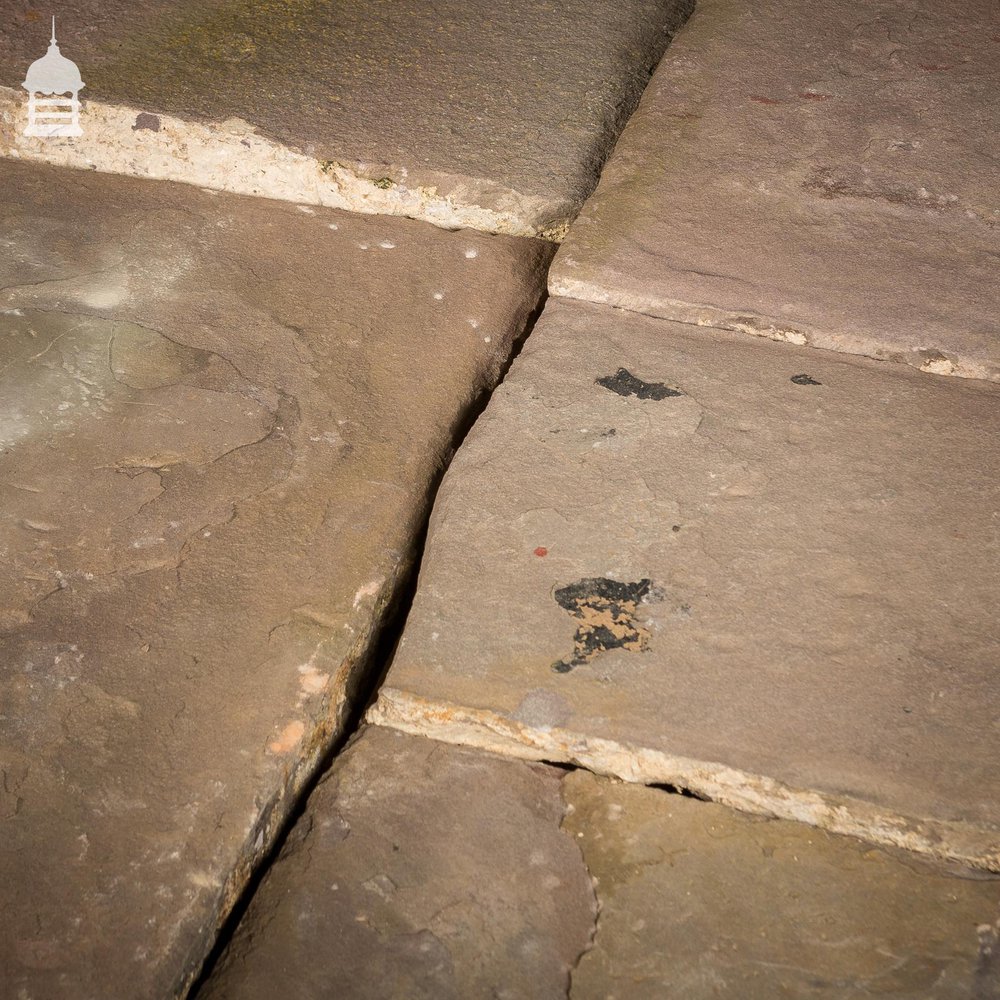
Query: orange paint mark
x,y
289,737
541,551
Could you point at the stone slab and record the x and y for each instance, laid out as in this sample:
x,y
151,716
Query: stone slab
x,y
685,556
221,420
829,179
698,902
417,870
492,116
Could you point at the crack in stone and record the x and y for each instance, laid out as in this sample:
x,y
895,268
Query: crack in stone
x,y
203,350
61,585
591,942
101,315
41,353
10,784
48,281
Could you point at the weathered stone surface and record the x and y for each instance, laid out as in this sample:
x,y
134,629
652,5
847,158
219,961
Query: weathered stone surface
x,y
221,418
485,115
699,902
681,555
417,870
828,179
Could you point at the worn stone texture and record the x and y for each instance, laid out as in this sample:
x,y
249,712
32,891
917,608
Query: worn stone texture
x,y
496,116
681,555
417,870
829,179
699,902
221,421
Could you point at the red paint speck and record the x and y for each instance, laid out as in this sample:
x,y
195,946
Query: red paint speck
x,y
541,551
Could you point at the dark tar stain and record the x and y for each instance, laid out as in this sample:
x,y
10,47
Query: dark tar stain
x,y
626,384
606,610
804,380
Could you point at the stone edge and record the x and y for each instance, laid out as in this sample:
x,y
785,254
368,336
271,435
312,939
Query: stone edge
x,y
231,156
930,361
752,793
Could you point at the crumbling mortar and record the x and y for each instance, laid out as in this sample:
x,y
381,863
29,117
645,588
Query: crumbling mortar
x,y
751,793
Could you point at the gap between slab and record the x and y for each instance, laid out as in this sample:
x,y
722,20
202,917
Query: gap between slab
x,y
752,793
494,733
754,324
369,675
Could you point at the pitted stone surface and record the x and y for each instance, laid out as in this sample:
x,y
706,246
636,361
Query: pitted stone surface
x,y
699,902
829,179
221,418
496,116
776,585
417,870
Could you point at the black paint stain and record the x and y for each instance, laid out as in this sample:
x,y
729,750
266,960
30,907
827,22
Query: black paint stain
x,y
804,380
606,609
626,384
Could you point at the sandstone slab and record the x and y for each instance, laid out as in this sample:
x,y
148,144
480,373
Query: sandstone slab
x,y
221,421
417,870
492,116
685,556
698,901
829,179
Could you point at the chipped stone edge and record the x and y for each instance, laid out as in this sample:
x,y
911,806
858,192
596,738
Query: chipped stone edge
x,y
752,793
231,156
325,719
929,360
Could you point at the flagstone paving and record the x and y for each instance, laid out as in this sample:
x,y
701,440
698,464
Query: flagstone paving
x,y
418,870
496,116
766,574
673,555
698,901
221,422
829,180
424,870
